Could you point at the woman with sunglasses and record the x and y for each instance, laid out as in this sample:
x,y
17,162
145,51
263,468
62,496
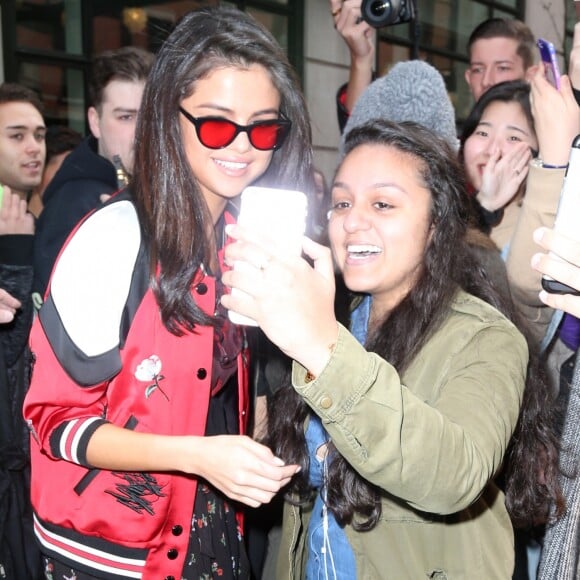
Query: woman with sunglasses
x,y
140,390
401,425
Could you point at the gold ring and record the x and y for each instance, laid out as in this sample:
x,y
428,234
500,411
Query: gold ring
x,y
336,12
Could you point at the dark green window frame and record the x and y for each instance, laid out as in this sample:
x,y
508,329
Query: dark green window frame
x,y
17,57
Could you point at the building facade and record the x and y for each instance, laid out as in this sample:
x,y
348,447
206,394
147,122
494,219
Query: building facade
x,y
48,45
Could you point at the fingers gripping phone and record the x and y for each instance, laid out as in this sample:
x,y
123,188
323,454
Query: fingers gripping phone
x,y
568,215
279,216
550,60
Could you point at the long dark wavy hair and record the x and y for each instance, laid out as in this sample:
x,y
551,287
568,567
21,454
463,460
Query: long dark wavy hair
x,y
450,263
172,211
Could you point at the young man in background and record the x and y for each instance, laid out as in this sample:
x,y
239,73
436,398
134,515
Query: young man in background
x,y
499,50
102,163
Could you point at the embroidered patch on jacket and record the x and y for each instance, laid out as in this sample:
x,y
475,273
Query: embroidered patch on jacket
x,y
150,370
139,491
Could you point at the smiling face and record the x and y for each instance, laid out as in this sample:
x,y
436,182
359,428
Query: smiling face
x,y
492,61
379,224
241,95
502,126
22,146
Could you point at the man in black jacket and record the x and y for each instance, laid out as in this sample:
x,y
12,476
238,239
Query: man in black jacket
x,y
22,155
102,163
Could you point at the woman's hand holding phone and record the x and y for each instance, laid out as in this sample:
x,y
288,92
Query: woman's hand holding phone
x,y
561,264
550,60
566,223
291,300
556,118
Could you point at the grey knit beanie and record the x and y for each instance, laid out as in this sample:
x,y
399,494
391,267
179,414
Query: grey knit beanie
x,y
413,90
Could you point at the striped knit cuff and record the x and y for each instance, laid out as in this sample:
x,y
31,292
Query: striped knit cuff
x,y
69,441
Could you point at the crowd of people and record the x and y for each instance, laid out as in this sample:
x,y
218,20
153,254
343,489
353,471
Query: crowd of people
x,y
406,406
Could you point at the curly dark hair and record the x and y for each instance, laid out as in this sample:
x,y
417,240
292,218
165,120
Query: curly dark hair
x,y
531,463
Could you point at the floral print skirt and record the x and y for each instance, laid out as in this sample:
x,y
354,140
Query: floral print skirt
x,y
216,544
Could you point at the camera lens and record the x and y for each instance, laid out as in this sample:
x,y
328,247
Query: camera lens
x,y
379,7
381,12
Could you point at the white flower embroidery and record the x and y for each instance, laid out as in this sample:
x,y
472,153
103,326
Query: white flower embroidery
x,y
149,370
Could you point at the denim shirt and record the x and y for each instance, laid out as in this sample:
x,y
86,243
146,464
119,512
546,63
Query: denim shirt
x,y
329,555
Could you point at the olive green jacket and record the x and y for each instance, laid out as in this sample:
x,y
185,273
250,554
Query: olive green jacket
x,y
432,440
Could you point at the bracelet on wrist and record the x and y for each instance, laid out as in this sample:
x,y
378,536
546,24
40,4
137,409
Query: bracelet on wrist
x,y
540,163
550,166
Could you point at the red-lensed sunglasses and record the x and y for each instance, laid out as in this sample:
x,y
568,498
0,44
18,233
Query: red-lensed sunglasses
x,y
217,132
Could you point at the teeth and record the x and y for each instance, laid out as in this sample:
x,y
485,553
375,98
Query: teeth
x,y
231,164
363,249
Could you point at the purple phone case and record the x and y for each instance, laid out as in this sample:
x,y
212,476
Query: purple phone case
x,y
549,58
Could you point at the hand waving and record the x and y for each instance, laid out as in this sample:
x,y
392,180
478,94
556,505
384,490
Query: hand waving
x,y
503,176
14,217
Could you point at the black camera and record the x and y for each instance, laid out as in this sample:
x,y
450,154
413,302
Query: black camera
x,y
379,13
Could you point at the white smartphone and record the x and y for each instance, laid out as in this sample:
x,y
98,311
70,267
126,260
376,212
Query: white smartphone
x,y
279,216
568,214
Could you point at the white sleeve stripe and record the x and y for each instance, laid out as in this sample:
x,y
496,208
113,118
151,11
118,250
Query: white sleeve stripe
x,y
64,438
78,436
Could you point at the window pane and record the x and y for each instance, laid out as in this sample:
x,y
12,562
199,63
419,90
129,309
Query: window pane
x,y
571,17
402,31
146,26
510,3
389,54
470,14
49,25
438,25
499,13
61,90
275,23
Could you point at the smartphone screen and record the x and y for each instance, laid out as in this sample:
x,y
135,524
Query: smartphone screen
x,y
550,60
1,194
279,217
567,214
